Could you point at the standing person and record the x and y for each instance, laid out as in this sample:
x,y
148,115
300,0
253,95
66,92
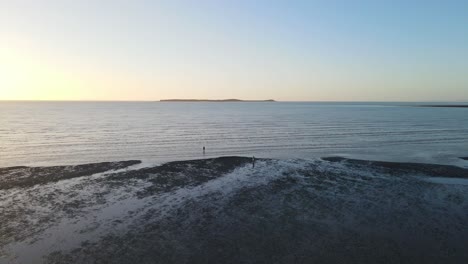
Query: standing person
x,y
203,150
253,161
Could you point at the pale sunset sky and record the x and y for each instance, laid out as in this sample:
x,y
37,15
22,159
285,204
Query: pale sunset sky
x,y
307,50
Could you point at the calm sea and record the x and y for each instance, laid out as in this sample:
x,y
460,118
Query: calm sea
x,y
53,133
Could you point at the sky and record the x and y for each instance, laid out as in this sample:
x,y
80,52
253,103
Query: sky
x,y
367,50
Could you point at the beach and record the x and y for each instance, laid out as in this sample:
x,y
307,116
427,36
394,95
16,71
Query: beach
x,y
243,132
326,210
174,182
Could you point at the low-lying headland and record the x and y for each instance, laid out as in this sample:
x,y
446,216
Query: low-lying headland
x,y
329,210
447,105
216,101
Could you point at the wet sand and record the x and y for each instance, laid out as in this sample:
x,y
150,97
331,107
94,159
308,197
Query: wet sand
x,y
221,210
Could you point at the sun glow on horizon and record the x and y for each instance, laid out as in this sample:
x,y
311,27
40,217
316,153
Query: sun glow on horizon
x,y
26,74
298,51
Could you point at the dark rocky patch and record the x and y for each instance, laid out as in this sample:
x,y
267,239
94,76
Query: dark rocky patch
x,y
21,176
431,170
464,158
177,174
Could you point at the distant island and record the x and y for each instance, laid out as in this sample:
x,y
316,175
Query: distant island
x,y
218,101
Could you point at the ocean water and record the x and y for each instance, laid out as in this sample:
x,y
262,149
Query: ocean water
x,y
56,133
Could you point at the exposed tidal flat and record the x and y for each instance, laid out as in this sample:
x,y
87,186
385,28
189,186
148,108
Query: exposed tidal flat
x,y
225,210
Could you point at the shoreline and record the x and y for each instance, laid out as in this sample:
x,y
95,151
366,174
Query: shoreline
x,y
226,208
28,176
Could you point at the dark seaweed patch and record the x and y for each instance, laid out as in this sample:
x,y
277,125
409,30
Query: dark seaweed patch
x,y
21,176
431,170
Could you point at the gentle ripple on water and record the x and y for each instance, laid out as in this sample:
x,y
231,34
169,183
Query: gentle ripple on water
x,y
50,133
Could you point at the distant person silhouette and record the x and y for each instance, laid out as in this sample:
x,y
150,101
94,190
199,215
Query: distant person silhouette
x,y
253,161
203,150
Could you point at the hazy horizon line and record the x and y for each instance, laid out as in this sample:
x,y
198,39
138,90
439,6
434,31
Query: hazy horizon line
x,y
244,100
